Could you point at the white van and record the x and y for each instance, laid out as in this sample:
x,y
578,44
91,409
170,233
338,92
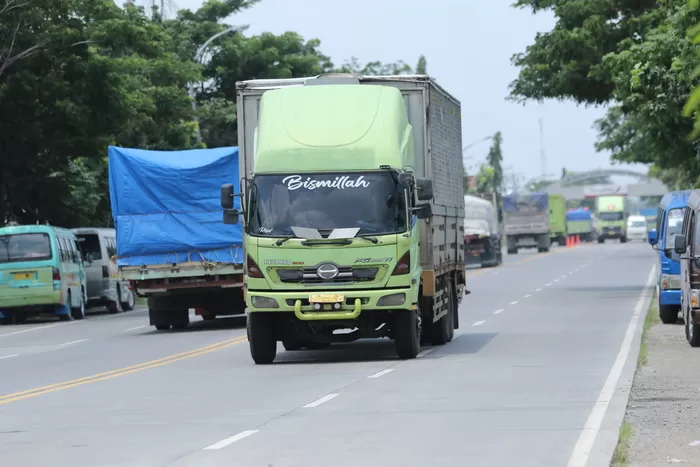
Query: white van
x,y
637,228
104,284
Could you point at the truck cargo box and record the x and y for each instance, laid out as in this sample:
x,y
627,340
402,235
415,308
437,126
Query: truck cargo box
x,y
166,206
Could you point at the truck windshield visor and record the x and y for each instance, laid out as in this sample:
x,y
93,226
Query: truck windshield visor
x,y
24,247
372,202
610,216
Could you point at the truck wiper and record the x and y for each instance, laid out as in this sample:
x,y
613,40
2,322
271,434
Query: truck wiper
x,y
340,241
282,240
370,239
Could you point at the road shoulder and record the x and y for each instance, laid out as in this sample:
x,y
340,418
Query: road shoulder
x,y
662,414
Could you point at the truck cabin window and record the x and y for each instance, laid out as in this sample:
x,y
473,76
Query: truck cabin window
x,y
372,201
610,216
674,226
24,247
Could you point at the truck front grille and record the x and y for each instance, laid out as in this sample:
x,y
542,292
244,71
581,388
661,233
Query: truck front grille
x,y
346,275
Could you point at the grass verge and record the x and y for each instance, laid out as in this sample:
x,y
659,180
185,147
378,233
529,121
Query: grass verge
x,y
651,320
620,456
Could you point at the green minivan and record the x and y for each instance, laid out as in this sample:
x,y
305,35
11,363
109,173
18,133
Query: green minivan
x,y
41,272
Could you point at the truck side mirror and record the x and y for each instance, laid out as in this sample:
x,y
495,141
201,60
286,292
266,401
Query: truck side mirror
x,y
653,237
424,189
227,196
679,244
423,211
231,216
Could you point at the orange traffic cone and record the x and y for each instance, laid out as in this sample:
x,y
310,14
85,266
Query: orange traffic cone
x,y
568,241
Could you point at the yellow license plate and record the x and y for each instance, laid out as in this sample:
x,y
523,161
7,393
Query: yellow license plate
x,y
23,276
326,298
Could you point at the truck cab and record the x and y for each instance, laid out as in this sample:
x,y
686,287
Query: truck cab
x,y
687,246
669,224
612,218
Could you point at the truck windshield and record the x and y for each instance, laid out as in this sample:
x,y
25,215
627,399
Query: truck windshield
x,y
24,247
372,201
610,216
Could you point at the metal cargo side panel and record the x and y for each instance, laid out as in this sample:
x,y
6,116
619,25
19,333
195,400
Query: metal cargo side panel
x,y
447,172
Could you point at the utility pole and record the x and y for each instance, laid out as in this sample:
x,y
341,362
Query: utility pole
x,y
543,157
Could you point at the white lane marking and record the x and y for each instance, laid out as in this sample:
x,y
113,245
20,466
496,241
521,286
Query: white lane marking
x,y
582,449
498,312
228,441
320,401
33,329
379,374
74,342
548,284
539,290
556,280
514,303
478,323
528,296
135,328
9,356
424,353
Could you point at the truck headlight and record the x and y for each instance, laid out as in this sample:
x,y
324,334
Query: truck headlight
x,y
395,299
264,302
665,281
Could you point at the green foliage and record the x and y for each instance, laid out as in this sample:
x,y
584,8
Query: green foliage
x,y
422,66
636,56
375,68
78,75
494,159
485,179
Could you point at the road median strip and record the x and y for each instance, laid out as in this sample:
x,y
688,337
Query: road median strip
x,y
17,396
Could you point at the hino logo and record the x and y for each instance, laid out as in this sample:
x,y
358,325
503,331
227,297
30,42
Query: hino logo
x,y
327,271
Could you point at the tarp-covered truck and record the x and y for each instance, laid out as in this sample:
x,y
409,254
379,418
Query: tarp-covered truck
x,y
482,238
526,221
580,222
171,243
612,218
354,211
557,219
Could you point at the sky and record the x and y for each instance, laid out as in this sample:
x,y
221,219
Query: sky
x,y
468,45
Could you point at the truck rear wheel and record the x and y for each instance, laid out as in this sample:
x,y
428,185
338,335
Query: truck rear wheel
x,y
668,314
512,251
444,330
261,338
407,327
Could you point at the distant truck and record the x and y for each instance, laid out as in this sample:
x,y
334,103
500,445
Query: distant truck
x,y
482,238
612,218
557,219
171,244
526,221
580,222
354,211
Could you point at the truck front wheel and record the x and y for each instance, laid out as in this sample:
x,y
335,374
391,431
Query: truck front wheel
x,y
261,337
406,327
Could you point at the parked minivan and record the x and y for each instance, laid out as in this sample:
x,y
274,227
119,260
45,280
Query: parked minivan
x,y
669,223
41,272
637,228
105,286
687,246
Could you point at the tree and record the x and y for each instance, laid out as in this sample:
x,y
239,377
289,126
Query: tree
x,y
422,66
375,68
495,160
485,179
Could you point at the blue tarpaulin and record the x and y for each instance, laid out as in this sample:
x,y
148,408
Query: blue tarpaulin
x,y
166,205
540,201
578,215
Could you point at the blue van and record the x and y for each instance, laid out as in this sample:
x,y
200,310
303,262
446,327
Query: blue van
x,y
669,223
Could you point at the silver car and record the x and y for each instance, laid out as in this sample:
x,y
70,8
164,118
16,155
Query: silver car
x,y
105,286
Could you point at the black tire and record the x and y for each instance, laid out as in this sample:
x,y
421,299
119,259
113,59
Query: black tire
x,y
128,305
291,345
623,239
114,307
668,314
443,330
407,326
692,330
601,240
261,338
77,312
512,251
162,327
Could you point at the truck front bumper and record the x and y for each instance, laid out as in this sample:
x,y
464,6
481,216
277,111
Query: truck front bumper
x,y
330,304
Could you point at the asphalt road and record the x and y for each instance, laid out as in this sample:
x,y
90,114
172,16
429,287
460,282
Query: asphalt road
x,y
541,339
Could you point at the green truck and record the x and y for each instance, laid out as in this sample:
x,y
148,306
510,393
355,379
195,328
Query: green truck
x,y
353,211
612,218
557,219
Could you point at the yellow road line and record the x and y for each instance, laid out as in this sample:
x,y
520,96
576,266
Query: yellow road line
x,y
17,396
